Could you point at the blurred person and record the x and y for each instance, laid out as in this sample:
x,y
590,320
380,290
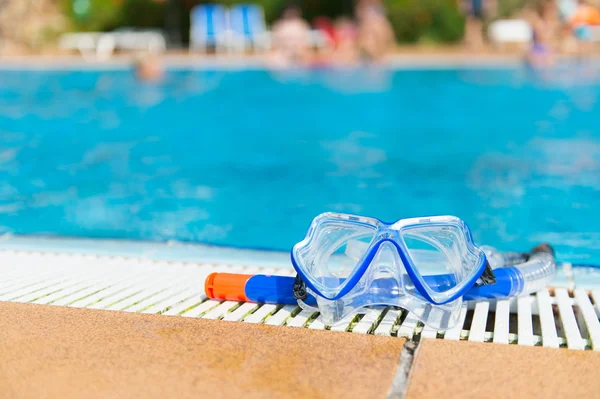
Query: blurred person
x,y
582,22
342,41
149,69
327,29
540,54
375,33
291,34
474,11
346,42
567,8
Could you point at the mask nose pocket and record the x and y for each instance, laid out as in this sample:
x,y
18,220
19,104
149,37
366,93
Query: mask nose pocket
x,y
386,277
384,280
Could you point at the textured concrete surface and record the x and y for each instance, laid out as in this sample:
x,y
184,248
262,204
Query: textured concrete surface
x,y
461,369
58,352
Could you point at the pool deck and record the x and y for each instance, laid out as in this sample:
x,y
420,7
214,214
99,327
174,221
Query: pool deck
x,y
48,351
69,353
97,318
184,60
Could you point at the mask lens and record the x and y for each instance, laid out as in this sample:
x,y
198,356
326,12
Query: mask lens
x,y
443,256
337,251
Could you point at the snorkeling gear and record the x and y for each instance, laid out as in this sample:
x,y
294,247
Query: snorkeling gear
x,y
426,265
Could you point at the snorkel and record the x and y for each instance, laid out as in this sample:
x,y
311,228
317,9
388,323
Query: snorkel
x,y
534,271
428,266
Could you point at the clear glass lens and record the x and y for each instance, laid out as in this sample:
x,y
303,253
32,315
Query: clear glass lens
x,y
441,255
336,250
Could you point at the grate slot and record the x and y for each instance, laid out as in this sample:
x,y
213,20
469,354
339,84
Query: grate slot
x,y
26,282
525,321
427,331
389,320
596,301
491,321
547,320
346,325
52,291
201,309
162,303
317,324
221,310
480,315
20,291
185,305
261,313
301,319
100,298
242,311
282,315
456,332
502,321
567,317
368,321
469,317
589,316
98,284
408,326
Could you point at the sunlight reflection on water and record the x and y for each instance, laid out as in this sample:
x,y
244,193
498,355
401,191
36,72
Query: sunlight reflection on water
x,y
248,158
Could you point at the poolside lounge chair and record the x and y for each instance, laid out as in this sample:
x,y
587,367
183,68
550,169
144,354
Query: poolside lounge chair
x,y
514,31
129,39
93,46
100,46
248,28
208,27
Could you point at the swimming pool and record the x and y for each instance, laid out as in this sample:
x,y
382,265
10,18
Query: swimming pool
x,y
247,158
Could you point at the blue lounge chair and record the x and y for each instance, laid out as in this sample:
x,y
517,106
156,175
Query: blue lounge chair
x,y
208,27
248,27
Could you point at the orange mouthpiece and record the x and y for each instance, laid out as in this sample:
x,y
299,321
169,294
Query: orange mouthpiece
x,y
226,286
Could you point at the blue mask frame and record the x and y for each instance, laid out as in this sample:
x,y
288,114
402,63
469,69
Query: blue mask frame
x,y
390,232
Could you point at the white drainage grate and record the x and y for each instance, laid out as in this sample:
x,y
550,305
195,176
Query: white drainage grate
x,y
552,318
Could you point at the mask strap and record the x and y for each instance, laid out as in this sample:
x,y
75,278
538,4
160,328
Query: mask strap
x,y
304,306
301,294
299,289
487,277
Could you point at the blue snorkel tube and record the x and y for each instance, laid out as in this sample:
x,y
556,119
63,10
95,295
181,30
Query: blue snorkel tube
x,y
534,271
515,274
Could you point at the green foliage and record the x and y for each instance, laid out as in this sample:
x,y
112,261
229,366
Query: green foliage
x,y
105,15
272,8
90,15
426,20
142,13
413,20
310,8
507,8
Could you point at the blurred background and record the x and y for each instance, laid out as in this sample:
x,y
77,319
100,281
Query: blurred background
x,y
235,123
36,25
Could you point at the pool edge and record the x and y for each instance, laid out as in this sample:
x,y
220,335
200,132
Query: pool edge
x,y
173,251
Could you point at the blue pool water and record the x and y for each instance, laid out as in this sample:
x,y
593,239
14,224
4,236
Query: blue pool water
x,y
248,158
